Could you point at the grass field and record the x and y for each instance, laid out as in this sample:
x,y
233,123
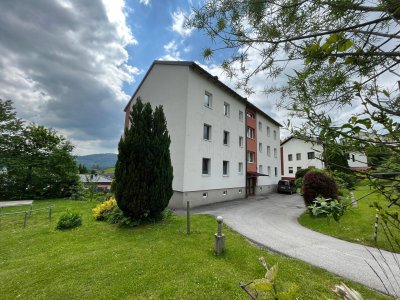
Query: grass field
x,y
154,261
357,225
109,170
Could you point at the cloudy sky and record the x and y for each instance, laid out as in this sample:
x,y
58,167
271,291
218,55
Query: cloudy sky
x,y
72,65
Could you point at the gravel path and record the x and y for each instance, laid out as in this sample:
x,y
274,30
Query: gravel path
x,y
272,223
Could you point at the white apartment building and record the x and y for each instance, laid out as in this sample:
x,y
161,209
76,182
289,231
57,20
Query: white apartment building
x,y
298,154
222,146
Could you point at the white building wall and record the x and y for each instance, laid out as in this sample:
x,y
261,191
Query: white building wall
x,y
167,85
197,148
272,141
357,160
295,146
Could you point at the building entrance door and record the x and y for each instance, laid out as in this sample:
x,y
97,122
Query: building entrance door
x,y
251,186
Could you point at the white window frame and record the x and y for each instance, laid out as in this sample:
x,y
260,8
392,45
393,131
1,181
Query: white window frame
x,y
207,99
268,151
241,116
275,153
209,132
260,147
227,138
298,156
241,141
251,157
227,109
208,166
268,131
227,168
260,168
250,133
290,170
240,168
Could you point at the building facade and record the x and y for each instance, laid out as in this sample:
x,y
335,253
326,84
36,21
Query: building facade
x,y
217,148
299,154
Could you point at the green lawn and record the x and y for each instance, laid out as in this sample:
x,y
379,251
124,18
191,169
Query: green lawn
x,y
357,225
155,261
109,170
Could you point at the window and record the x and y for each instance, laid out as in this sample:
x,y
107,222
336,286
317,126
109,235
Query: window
x,y
290,157
290,170
251,157
268,131
260,169
207,100
250,133
269,171
225,193
226,138
298,168
298,156
240,141
206,166
250,115
227,109
205,195
276,172
310,155
225,168
240,116
240,168
260,126
207,132
274,134
268,151
260,147
275,153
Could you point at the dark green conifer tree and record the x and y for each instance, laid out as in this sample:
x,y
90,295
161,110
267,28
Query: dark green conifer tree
x,y
143,172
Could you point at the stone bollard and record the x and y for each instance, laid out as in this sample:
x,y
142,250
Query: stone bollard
x,y
219,238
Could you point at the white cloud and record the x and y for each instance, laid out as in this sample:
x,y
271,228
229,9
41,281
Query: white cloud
x,y
64,64
145,2
178,23
171,52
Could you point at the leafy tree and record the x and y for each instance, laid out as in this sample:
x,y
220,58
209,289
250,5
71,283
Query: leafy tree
x,y
337,55
143,172
37,162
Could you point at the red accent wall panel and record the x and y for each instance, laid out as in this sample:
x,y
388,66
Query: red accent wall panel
x,y
251,144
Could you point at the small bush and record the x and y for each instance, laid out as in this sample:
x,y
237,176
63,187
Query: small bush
x,y
116,216
101,211
69,220
318,183
329,208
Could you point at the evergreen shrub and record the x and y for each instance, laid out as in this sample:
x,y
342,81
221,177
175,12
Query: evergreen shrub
x,y
69,220
318,183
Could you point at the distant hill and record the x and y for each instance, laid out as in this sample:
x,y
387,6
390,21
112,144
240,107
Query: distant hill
x,y
101,161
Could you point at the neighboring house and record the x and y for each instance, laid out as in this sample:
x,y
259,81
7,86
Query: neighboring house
x,y
299,154
102,183
222,146
358,161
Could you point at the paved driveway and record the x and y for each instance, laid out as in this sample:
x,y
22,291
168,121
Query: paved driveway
x,y
272,222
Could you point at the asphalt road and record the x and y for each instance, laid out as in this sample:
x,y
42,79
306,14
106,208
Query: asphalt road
x,y
272,222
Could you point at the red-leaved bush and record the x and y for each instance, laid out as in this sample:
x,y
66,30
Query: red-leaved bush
x,y
318,183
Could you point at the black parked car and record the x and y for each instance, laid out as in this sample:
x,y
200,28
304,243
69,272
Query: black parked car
x,y
286,186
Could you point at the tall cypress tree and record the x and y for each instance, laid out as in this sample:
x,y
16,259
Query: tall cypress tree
x,y
143,172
